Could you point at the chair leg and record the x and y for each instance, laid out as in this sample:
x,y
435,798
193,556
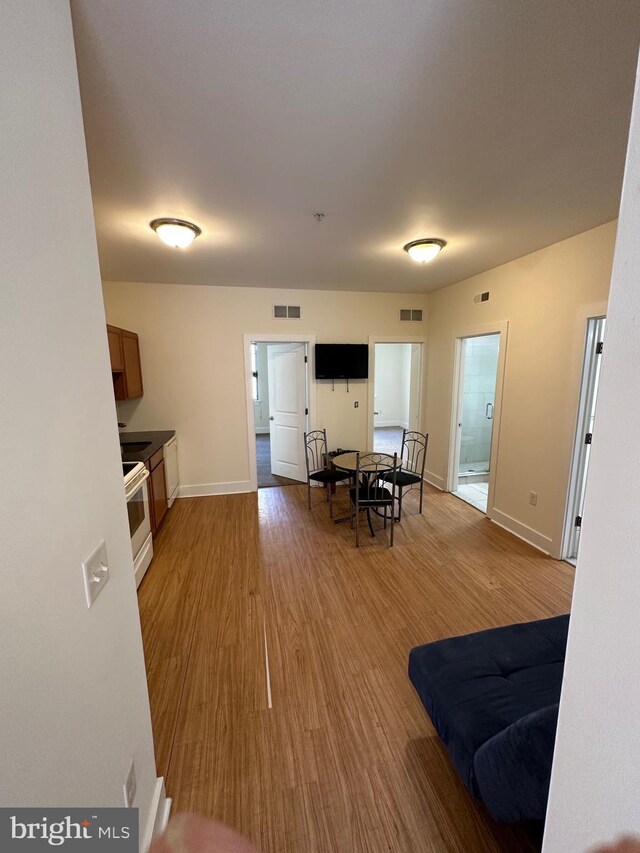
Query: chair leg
x,y
373,533
421,491
357,526
392,526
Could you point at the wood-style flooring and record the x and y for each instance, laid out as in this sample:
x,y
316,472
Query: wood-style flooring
x,y
346,759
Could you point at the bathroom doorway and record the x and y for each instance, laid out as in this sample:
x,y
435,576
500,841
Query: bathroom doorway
x,y
477,385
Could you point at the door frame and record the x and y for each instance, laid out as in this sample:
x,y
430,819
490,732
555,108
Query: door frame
x,y
500,327
371,384
589,367
311,390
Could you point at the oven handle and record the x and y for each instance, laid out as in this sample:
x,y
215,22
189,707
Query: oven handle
x,y
135,484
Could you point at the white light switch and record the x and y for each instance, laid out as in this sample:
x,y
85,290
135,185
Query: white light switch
x,y
95,570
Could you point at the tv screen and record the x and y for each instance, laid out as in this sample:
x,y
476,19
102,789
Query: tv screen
x,y
342,361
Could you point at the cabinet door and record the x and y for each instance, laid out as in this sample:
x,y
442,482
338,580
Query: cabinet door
x,y
159,489
116,356
132,367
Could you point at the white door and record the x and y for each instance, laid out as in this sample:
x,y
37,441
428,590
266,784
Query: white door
x,y
287,409
584,431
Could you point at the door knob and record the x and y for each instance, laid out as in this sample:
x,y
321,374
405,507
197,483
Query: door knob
x,y
271,418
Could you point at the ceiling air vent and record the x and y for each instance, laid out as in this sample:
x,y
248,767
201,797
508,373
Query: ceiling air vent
x,y
411,315
481,297
284,312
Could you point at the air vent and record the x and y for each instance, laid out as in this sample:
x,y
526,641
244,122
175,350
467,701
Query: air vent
x,y
284,312
481,297
411,315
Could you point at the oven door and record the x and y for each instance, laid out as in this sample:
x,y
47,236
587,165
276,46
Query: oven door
x,y
138,512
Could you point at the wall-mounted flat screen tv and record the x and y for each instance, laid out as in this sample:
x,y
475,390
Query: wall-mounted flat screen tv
x,y
342,361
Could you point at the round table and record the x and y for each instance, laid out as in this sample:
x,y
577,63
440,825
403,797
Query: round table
x,y
348,462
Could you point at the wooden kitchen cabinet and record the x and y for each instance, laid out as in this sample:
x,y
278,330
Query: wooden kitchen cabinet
x,y
126,369
158,503
115,348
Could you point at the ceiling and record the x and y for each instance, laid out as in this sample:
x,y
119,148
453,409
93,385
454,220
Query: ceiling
x,y
499,126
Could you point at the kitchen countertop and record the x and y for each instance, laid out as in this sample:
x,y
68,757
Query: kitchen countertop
x,y
156,437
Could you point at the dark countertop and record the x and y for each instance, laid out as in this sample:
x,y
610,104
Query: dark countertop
x,y
156,437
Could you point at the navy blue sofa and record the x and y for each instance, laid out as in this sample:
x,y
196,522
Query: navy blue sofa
x,y
493,699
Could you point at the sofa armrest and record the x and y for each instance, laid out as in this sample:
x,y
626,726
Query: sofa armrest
x,y
513,768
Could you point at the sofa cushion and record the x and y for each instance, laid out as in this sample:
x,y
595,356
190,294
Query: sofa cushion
x,y
513,768
475,686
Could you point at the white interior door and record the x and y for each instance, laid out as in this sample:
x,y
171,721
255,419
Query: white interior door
x,y
287,409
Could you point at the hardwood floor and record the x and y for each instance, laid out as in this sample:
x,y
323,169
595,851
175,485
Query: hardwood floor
x,y
346,759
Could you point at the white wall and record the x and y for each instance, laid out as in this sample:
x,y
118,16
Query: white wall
x,y
595,784
74,707
191,341
546,298
392,384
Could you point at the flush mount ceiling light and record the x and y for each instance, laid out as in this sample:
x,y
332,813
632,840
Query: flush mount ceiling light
x,y
175,232
423,251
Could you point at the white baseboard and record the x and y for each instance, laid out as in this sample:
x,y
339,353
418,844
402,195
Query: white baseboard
x,y
202,490
434,479
158,814
262,430
522,531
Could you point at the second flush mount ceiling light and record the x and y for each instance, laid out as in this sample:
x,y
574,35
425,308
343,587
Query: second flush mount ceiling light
x,y
177,233
425,250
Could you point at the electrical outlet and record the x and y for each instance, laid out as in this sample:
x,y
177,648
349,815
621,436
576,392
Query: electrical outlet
x,y
533,498
95,571
130,786
356,404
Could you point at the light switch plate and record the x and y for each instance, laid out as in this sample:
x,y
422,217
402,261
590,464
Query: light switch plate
x,y
95,571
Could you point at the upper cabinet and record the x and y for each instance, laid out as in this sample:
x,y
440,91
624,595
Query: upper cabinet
x,y
124,352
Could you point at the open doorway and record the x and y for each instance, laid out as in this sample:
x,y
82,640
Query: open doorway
x,y
476,385
397,392
584,432
278,409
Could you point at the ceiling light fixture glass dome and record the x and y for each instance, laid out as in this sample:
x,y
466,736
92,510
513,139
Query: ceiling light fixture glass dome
x,y
423,251
177,233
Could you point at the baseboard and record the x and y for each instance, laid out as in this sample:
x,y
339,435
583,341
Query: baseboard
x,y
262,430
158,814
522,531
396,424
435,480
202,490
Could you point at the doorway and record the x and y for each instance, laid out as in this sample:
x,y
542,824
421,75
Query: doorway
x,y
278,409
584,431
476,383
396,393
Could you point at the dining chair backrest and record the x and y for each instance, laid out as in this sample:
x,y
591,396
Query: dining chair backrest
x,y
370,469
414,451
315,447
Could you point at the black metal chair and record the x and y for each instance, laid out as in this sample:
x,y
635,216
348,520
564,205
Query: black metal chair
x,y
413,456
371,492
318,470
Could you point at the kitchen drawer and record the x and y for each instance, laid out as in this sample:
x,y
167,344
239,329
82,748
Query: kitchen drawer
x,y
156,459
